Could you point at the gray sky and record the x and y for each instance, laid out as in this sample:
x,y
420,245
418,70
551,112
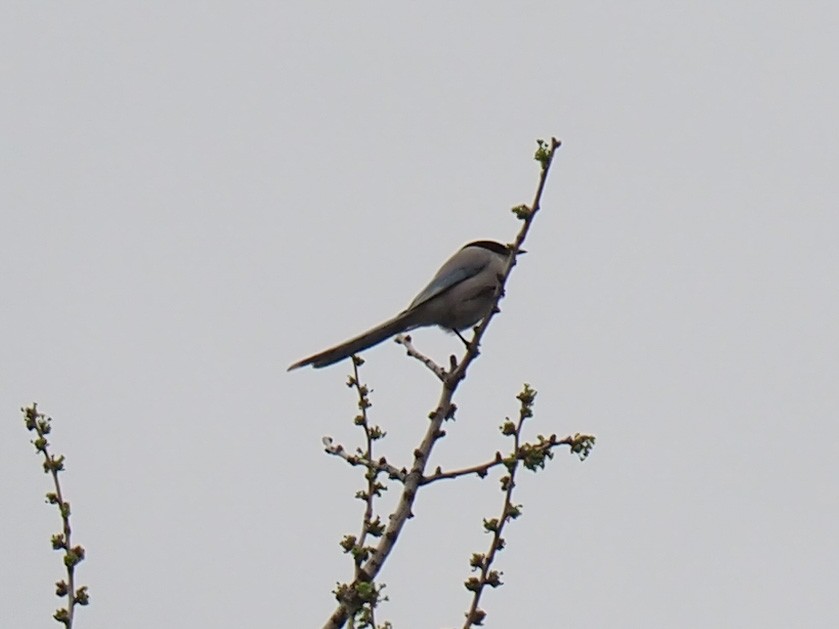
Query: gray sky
x,y
191,199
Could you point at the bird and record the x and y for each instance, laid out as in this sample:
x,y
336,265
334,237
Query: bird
x,y
461,293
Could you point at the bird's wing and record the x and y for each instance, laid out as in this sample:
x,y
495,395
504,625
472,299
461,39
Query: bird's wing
x,y
447,277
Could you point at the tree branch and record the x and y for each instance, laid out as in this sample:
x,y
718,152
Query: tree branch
x,y
525,452
336,449
73,555
349,599
405,340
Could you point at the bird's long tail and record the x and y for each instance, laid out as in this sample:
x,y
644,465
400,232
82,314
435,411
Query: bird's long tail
x,y
399,323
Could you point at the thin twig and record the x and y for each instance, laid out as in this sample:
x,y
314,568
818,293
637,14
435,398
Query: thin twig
x,y
483,468
544,154
371,434
483,563
336,449
405,340
73,555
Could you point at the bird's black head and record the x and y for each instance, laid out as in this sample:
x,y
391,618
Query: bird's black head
x,y
491,245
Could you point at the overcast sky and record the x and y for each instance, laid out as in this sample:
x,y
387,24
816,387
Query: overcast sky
x,y
194,196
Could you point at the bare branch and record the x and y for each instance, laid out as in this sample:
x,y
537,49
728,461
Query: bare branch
x,y
544,155
444,410
405,340
336,449
509,511
73,555
521,454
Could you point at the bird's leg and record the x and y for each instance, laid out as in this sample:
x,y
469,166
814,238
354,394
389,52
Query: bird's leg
x,y
460,336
